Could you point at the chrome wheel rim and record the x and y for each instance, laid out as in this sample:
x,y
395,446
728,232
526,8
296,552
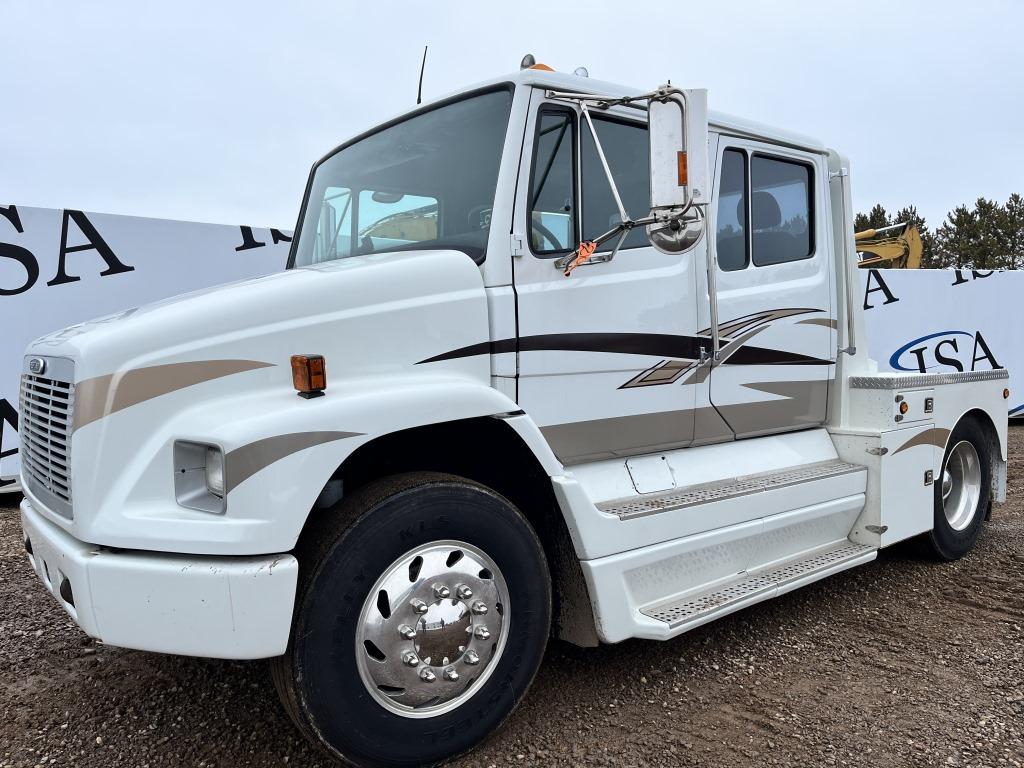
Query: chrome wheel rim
x,y
961,485
432,629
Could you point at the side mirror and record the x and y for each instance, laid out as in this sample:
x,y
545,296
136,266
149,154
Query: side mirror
x,y
678,134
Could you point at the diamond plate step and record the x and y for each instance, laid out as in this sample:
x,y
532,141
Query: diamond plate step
x,y
718,490
753,587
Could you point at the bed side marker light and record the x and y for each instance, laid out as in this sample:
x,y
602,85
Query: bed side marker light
x,y
309,375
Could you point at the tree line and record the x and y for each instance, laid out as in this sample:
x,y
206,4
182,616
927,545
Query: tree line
x,y
987,235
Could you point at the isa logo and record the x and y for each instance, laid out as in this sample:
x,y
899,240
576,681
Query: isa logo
x,y
945,351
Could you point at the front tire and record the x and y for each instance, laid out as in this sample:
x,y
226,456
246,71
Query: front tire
x,y
421,617
962,492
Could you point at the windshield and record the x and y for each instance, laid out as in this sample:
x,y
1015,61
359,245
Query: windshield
x,y
424,183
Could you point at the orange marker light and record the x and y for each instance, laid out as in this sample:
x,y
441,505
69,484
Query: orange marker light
x,y
683,171
309,375
1006,394
904,407
542,67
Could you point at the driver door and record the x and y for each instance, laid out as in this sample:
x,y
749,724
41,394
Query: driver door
x,y
608,357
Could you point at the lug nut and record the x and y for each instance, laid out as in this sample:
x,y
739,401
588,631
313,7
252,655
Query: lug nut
x,y
406,631
410,659
427,675
463,592
451,674
482,632
471,658
442,592
479,608
418,605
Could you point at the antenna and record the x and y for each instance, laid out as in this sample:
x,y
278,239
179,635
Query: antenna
x,y
423,66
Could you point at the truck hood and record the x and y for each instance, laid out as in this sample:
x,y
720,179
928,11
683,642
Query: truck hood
x,y
377,312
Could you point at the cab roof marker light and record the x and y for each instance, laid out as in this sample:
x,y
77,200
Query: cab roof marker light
x,y
529,62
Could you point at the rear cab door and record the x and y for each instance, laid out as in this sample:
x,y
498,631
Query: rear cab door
x,y
769,228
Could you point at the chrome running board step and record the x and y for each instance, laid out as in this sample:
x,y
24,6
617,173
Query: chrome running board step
x,y
729,488
697,608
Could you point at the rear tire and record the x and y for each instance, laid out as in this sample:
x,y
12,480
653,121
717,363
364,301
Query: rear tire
x,y
962,492
403,652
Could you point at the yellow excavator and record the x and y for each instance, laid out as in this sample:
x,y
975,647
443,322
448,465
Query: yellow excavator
x,y
898,246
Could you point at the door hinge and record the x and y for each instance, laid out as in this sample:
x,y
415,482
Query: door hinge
x,y
840,174
517,245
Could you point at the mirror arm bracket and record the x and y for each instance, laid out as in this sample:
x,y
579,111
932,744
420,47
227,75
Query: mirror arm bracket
x,y
604,164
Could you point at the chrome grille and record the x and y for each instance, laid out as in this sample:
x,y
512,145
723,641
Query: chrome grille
x,y
44,425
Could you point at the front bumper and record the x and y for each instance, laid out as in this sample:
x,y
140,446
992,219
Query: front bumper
x,y
194,605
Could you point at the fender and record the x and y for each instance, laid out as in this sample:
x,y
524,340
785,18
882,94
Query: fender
x,y
340,424
270,437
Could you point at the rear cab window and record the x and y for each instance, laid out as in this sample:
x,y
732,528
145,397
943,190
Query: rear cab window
x,y
765,213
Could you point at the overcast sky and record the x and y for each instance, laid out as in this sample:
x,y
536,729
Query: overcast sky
x,y
214,111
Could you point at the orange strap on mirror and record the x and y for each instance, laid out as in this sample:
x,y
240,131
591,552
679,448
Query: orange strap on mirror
x,y
584,252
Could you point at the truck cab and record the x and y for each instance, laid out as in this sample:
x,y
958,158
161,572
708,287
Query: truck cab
x,y
551,356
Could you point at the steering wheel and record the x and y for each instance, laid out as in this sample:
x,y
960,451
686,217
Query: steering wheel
x,y
548,235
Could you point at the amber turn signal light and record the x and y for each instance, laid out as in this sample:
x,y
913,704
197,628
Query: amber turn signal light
x,y
684,172
904,407
1006,394
309,375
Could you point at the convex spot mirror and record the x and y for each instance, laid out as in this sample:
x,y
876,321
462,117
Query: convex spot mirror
x,y
678,135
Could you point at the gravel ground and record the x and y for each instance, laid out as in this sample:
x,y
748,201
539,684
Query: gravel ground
x,y
900,662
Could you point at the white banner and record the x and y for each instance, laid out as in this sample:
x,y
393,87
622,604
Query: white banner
x,y
939,321
61,267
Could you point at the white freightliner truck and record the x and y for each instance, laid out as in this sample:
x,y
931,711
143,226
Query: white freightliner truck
x,y
551,356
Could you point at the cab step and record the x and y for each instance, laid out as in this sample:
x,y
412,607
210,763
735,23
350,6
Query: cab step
x,y
729,488
694,609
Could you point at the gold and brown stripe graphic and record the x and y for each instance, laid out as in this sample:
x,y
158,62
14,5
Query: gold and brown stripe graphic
x,y
101,396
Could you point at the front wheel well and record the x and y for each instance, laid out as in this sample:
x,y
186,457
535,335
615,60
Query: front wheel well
x,y
488,451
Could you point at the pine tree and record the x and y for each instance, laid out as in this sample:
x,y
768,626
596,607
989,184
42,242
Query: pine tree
x,y
1013,212
987,236
874,219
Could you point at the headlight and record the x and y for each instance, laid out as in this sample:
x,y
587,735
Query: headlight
x,y
215,471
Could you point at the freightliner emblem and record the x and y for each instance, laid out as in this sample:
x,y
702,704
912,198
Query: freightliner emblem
x,y
36,365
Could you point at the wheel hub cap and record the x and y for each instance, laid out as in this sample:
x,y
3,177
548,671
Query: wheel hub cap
x,y
441,633
432,629
961,485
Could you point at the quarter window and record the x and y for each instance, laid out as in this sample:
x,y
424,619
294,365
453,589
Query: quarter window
x,y
552,185
731,220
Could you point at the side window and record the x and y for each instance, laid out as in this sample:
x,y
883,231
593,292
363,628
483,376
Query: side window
x,y
625,147
731,219
780,209
552,184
